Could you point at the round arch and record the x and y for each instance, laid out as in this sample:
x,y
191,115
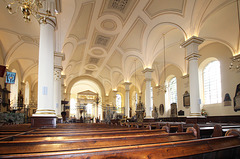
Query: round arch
x,y
76,79
172,24
209,41
170,31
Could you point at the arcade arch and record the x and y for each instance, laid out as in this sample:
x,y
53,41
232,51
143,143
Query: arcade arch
x,y
82,93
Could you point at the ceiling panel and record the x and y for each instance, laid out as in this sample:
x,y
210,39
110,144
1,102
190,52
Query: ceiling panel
x,y
81,26
157,7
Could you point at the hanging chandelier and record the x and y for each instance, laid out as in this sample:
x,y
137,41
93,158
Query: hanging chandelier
x,y
135,80
163,87
39,9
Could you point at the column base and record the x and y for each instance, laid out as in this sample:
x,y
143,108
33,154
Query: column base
x,y
44,121
148,117
195,120
195,114
59,119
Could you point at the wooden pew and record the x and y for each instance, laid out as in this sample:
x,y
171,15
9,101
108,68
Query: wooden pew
x,y
46,144
156,125
209,131
219,147
203,130
90,130
10,130
37,136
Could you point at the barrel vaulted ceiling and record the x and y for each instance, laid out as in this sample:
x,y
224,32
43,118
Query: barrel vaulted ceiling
x,y
114,40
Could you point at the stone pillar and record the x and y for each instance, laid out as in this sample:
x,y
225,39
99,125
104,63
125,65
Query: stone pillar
x,y
148,79
127,89
191,46
45,115
58,58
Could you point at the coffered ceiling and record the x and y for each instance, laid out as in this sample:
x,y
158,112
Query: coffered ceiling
x,y
111,40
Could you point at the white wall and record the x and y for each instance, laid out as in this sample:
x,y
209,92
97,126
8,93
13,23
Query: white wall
x,y
229,78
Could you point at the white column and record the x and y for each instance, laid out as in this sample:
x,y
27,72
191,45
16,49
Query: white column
x,y
191,46
58,58
148,79
45,69
57,90
127,89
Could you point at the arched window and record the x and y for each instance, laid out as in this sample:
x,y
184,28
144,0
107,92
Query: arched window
x,y
14,92
173,90
27,93
119,103
171,93
212,83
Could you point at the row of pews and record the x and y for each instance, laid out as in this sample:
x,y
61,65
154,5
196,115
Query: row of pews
x,y
203,130
98,141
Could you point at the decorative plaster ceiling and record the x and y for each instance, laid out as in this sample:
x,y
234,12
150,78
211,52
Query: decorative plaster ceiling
x,y
158,7
104,38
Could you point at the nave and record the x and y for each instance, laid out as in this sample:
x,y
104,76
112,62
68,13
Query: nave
x,y
99,140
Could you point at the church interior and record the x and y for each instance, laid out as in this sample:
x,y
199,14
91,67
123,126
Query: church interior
x,y
120,79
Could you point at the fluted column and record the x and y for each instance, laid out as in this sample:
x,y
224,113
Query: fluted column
x,y
127,89
191,46
148,78
58,58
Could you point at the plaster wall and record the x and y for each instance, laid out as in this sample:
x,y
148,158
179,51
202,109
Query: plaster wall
x,y
229,78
